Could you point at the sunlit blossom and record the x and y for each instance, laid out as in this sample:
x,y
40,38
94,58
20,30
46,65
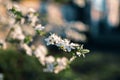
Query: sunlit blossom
x,y
39,27
61,64
41,52
49,62
17,33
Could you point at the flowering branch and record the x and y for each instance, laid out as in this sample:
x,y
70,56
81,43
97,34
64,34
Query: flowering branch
x,y
66,45
51,63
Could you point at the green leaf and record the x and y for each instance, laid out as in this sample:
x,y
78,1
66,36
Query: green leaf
x,y
41,33
81,47
84,51
27,39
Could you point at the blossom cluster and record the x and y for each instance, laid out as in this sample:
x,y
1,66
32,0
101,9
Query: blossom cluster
x,y
21,21
50,63
29,17
57,65
66,45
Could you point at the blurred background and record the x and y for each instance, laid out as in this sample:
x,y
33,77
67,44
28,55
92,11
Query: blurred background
x,y
94,23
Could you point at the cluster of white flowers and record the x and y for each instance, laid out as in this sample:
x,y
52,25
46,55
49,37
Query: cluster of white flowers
x,y
62,64
32,17
13,7
40,52
57,65
51,63
16,33
19,20
66,45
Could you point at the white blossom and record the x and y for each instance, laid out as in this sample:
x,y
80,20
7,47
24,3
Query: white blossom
x,y
41,52
31,10
17,33
49,59
49,41
64,44
50,62
53,39
39,27
49,67
32,18
79,54
61,64
16,7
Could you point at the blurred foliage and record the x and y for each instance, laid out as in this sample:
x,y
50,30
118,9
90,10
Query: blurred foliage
x,y
98,66
19,66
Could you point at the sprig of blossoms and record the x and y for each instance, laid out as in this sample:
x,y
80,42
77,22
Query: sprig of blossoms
x,y
66,45
63,44
16,13
30,17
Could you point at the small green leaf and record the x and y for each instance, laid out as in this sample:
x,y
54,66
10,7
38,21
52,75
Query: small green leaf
x,y
36,14
41,33
84,51
27,39
81,47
